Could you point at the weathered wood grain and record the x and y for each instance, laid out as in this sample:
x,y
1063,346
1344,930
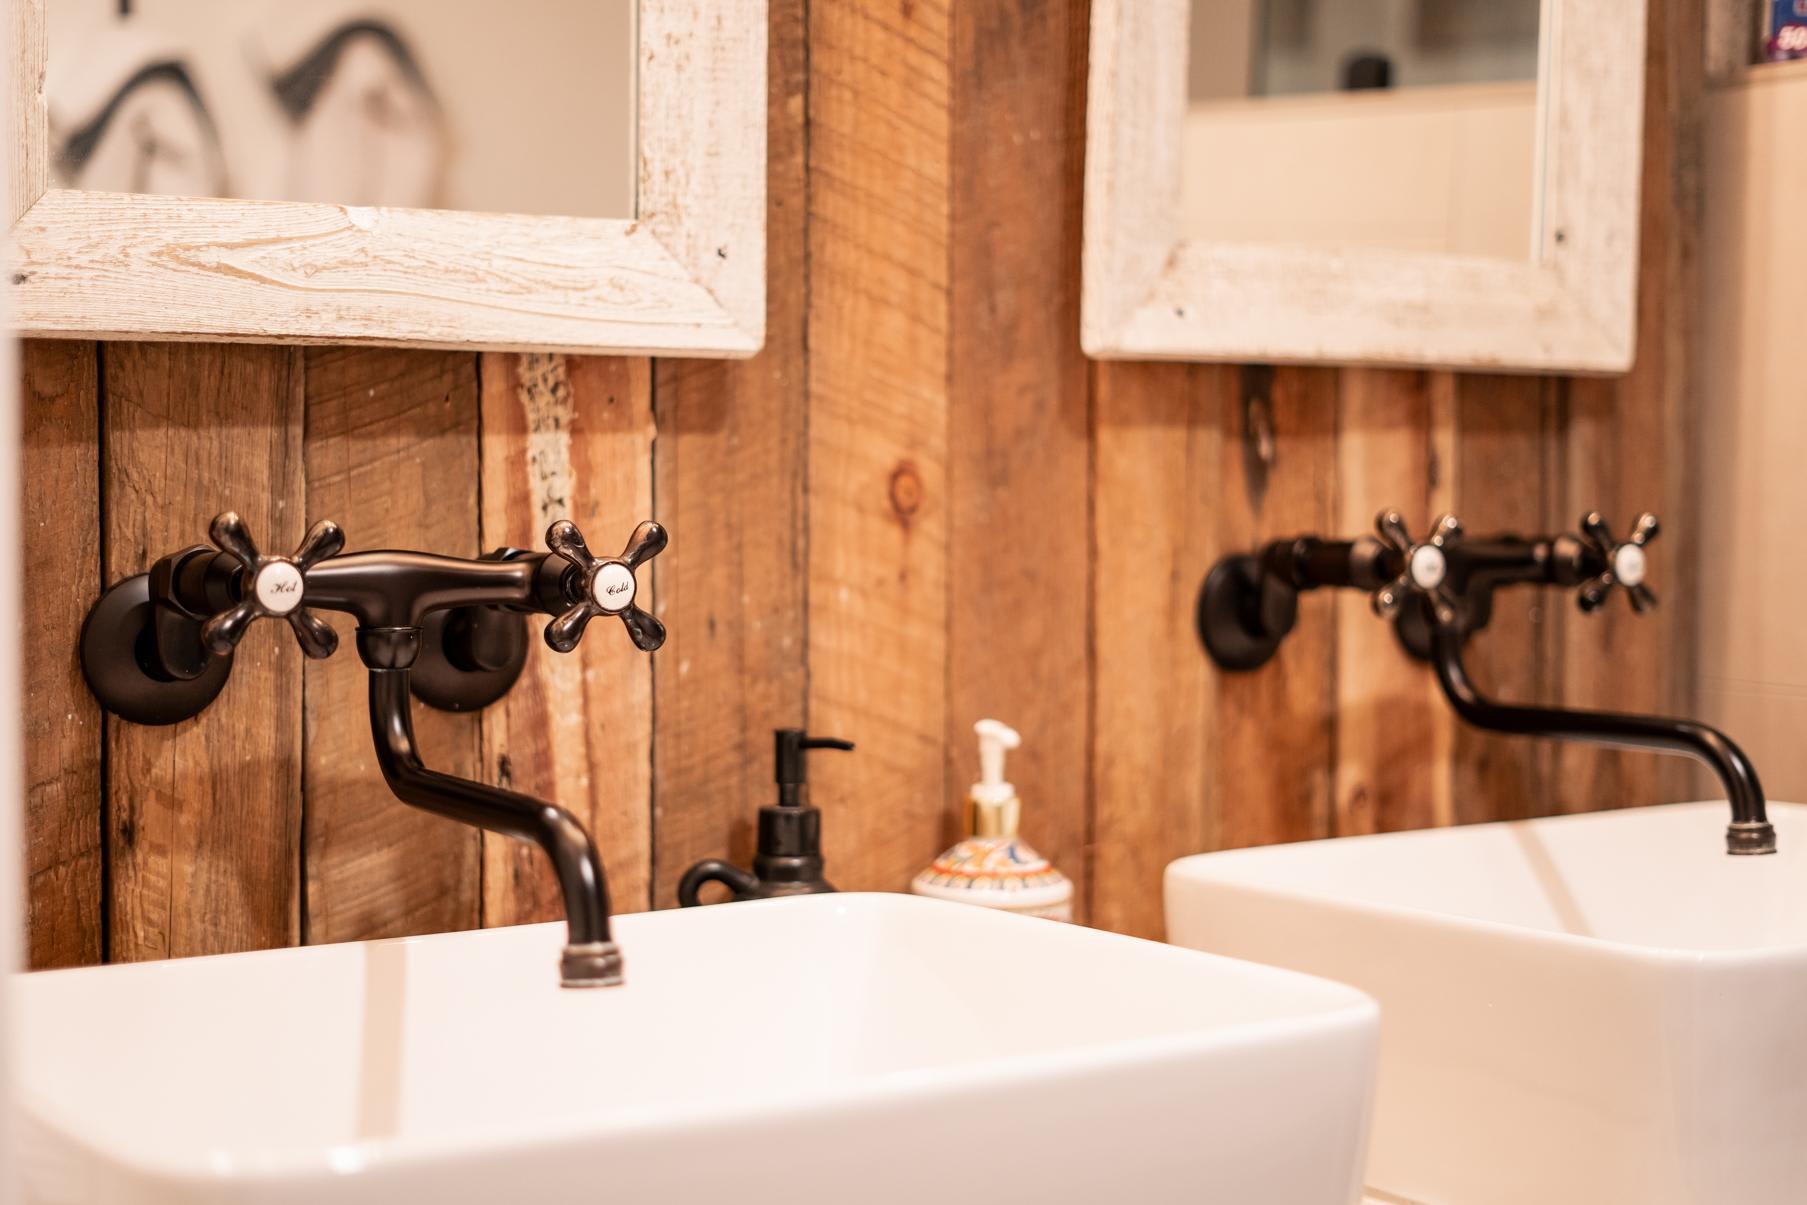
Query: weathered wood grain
x,y
1499,481
1391,719
1272,769
110,265
203,817
570,438
729,486
1188,757
392,458
685,277
29,161
1157,485
702,148
61,541
877,479
1018,457
1631,444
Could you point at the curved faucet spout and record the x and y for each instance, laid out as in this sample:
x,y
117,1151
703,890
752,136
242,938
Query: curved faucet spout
x,y
1750,831
590,958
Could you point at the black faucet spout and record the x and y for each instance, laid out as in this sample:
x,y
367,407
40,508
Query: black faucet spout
x,y
1750,831
591,958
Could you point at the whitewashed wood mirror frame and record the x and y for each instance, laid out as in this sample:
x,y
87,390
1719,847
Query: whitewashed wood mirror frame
x,y
1151,293
685,276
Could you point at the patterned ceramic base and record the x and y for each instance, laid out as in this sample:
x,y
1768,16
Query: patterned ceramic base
x,y
998,872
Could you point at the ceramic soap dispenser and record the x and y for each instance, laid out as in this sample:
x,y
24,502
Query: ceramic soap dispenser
x,y
994,867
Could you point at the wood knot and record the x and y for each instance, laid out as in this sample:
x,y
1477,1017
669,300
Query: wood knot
x,y
906,492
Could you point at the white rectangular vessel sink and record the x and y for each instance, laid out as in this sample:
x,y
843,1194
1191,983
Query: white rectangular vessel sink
x,y
1602,1009
846,1048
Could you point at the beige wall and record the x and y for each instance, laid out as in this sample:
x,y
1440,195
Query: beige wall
x,y
1447,169
1753,400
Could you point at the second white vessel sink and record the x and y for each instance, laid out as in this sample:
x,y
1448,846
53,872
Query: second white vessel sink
x,y
869,1048
1603,1009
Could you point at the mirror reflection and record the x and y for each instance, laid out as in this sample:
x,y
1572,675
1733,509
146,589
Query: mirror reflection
x,y
1404,125
525,107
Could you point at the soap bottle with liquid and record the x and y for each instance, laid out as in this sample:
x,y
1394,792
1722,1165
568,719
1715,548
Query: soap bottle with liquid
x,y
789,860
994,867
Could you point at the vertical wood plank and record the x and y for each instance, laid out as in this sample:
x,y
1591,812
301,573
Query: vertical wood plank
x,y
1018,460
1499,482
1391,719
1444,463
204,816
1272,770
878,507
1631,446
570,438
1157,473
729,485
1188,757
391,456
61,516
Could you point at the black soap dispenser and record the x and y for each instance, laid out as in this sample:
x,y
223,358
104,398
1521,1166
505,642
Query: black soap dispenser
x,y
789,861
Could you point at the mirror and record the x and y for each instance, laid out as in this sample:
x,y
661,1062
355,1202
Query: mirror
x,y
526,108
1410,183
1406,125
583,176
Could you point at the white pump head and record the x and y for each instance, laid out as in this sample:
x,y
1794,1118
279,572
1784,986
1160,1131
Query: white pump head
x,y
995,739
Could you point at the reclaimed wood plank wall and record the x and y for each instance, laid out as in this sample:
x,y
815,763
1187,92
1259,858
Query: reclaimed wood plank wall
x,y
918,505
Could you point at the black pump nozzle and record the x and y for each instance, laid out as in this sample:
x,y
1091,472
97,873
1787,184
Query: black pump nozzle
x,y
789,861
790,769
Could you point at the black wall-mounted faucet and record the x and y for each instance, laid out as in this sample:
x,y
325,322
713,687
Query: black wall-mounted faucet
x,y
1439,592
157,648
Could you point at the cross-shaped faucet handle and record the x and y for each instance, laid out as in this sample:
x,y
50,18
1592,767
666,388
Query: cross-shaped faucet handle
x,y
1626,564
607,586
1426,563
273,587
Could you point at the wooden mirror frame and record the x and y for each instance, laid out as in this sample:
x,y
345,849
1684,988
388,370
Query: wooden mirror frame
x,y
1150,293
685,277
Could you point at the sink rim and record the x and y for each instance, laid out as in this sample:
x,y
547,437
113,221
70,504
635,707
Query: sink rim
x,y
1196,868
1346,1009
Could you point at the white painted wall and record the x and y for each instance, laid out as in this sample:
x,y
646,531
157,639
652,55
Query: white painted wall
x,y
1753,398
